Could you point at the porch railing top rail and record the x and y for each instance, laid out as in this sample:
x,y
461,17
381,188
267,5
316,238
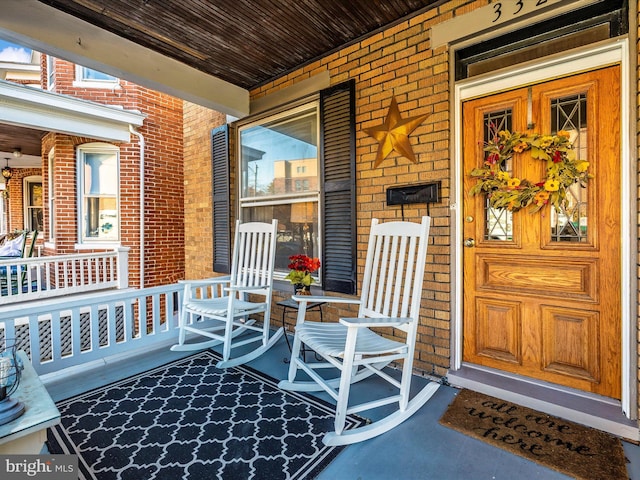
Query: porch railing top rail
x,y
54,276
64,334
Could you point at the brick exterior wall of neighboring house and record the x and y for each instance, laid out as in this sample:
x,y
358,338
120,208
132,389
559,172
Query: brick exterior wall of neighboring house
x,y
163,178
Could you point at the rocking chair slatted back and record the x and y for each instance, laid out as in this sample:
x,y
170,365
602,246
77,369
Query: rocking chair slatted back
x,y
392,282
356,347
220,308
255,256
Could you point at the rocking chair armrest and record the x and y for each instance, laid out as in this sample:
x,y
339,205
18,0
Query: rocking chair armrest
x,y
206,281
367,322
323,299
241,288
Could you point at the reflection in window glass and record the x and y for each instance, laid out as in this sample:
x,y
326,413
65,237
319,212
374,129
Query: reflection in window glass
x,y
99,195
297,229
34,206
90,75
498,221
569,223
279,179
279,155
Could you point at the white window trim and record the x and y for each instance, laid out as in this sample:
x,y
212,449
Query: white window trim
x,y
51,200
50,72
81,82
273,199
97,147
25,193
291,197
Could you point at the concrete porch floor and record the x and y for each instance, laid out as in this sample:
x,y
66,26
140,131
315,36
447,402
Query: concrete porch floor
x,y
419,449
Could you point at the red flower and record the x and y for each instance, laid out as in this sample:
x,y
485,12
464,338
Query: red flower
x,y
303,263
493,159
557,156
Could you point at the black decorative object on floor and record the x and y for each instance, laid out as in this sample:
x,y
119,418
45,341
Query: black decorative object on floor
x,y
191,420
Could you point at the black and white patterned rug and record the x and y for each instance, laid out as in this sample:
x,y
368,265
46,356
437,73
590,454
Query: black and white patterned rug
x,y
191,420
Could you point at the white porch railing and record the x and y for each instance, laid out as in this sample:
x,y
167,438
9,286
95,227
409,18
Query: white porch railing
x,y
68,332
35,278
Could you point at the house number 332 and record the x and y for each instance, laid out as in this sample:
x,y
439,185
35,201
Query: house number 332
x,y
502,8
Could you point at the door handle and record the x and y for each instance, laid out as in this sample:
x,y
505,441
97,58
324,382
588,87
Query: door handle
x,y
469,242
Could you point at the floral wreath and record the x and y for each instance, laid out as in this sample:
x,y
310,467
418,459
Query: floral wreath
x,y
504,191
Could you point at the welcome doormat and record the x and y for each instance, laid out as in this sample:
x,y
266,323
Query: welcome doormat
x,y
189,419
567,447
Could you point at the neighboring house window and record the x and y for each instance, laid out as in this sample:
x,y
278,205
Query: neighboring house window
x,y
87,77
98,208
50,72
278,154
33,203
52,195
4,228
324,210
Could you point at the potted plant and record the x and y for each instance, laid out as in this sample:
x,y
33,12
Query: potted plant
x,y
302,266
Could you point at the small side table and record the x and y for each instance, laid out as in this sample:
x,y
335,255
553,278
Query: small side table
x,y
27,433
294,306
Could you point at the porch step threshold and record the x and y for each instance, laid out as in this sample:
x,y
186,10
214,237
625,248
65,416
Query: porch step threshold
x,y
581,407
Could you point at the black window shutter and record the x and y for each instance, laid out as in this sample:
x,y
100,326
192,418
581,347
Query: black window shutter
x,y
337,119
221,226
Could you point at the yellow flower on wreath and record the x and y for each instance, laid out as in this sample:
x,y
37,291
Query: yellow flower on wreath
x,y
563,170
541,198
513,182
552,185
582,166
520,147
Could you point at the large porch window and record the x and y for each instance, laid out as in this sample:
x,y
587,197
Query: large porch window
x,y
297,166
279,178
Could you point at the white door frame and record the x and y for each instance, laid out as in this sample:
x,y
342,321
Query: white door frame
x,y
606,53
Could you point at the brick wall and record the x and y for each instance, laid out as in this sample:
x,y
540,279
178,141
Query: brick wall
x,y
399,61
163,178
198,226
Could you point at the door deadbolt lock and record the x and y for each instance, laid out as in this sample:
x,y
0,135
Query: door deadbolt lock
x,y
468,219
469,242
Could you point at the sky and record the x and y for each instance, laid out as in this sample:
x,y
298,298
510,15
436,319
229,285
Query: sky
x,y
10,52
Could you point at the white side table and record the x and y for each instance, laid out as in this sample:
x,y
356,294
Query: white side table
x,y
27,433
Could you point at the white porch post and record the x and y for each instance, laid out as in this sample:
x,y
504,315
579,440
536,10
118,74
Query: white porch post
x,y
123,267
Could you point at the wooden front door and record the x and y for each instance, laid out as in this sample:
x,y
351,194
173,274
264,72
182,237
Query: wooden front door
x,y
542,290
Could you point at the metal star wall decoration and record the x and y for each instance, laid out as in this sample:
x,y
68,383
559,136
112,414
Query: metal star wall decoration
x,y
393,134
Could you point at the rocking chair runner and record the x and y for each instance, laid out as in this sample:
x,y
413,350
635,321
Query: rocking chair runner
x,y
219,308
391,297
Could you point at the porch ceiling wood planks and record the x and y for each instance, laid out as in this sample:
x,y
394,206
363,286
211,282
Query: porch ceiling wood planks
x,y
244,42
12,136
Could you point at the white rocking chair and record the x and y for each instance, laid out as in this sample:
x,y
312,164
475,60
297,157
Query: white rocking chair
x,y
391,296
218,308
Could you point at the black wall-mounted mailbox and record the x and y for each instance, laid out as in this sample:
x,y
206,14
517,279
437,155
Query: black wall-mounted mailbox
x,y
425,193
